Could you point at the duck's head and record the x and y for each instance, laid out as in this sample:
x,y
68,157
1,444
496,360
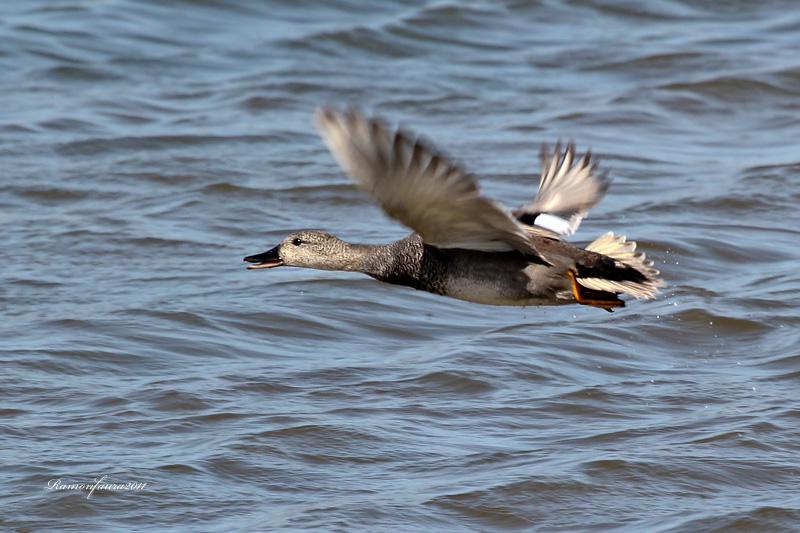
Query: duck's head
x,y
308,249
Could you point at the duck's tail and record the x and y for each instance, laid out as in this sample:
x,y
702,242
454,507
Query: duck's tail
x,y
617,248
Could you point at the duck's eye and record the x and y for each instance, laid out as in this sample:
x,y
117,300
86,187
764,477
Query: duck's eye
x,y
297,242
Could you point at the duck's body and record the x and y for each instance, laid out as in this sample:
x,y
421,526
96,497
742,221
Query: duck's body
x,y
465,246
493,278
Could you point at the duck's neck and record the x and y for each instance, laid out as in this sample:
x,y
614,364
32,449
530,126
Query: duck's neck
x,y
396,261
380,260
358,258
405,262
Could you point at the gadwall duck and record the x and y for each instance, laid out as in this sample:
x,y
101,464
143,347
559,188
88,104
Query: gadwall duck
x,y
464,245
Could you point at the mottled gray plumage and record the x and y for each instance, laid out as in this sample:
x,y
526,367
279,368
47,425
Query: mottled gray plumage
x,y
466,246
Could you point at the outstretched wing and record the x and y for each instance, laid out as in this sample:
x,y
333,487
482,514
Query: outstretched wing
x,y
566,191
418,187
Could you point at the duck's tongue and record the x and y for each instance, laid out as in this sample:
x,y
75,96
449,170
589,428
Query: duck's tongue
x,y
268,259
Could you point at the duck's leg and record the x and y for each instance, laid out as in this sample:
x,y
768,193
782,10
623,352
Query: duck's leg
x,y
585,296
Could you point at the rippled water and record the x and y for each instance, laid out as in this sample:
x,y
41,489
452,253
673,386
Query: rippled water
x,y
147,147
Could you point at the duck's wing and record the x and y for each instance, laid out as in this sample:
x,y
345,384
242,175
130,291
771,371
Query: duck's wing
x,y
418,187
566,191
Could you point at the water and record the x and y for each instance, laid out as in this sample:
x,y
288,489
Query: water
x,y
147,147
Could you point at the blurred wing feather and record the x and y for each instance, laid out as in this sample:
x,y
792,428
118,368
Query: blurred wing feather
x,y
418,187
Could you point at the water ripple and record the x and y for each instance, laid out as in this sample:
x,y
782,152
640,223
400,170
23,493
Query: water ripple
x,y
147,147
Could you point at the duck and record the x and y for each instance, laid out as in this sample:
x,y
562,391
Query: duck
x,y
464,245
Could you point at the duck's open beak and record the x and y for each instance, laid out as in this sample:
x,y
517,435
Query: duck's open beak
x,y
268,259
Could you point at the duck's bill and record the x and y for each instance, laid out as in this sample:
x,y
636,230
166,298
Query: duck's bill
x,y
268,259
